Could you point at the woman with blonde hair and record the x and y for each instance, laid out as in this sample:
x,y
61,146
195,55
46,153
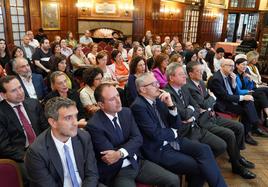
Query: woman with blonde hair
x,y
252,59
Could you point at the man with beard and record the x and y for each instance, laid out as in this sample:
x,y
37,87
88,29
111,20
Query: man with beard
x,y
32,83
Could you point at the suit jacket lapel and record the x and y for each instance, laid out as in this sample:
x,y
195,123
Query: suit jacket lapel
x,y
78,154
13,115
24,88
54,155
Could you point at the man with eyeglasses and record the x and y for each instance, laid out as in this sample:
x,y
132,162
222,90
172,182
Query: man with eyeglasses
x,y
117,141
223,85
159,122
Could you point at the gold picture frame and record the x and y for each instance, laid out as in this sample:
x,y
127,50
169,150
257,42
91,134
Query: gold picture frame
x,y
50,14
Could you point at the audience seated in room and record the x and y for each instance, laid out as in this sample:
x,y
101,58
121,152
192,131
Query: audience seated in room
x,y
232,132
21,121
63,154
159,122
117,140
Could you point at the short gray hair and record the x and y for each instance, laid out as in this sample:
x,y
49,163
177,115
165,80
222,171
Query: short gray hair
x,y
171,68
154,47
54,104
140,80
15,61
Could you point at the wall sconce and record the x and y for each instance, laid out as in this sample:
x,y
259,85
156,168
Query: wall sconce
x,y
126,8
83,5
170,11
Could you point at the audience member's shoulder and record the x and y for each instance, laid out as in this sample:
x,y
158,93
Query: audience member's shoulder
x,y
40,143
82,134
31,101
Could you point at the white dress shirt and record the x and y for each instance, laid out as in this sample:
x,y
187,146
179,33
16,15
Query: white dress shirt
x,y
29,87
67,178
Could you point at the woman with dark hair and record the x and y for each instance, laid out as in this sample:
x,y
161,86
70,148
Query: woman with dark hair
x,y
245,85
166,49
55,49
136,68
60,64
71,42
189,57
120,47
119,68
92,78
201,59
17,52
159,69
108,75
4,53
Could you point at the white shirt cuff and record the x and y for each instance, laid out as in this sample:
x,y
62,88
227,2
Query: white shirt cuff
x,y
175,132
124,152
174,112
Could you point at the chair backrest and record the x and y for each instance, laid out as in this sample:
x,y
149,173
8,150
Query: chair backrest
x,y
10,174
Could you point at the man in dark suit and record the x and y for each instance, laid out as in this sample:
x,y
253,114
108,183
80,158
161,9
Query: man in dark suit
x,y
21,120
63,154
190,112
232,132
223,84
32,84
159,122
116,140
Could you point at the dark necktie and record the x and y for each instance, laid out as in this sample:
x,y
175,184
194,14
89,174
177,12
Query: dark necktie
x,y
181,96
118,130
174,144
120,138
228,87
26,125
70,166
200,89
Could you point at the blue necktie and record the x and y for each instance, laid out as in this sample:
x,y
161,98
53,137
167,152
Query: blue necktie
x,y
118,131
174,144
228,87
70,167
120,138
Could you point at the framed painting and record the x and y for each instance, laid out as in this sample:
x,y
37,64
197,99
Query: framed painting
x,y
50,15
215,3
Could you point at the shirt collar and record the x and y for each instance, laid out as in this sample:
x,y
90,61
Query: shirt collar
x,y
13,105
224,76
25,79
59,143
110,116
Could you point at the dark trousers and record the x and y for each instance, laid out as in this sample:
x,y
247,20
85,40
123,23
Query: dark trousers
x,y
200,134
248,113
148,173
230,131
194,159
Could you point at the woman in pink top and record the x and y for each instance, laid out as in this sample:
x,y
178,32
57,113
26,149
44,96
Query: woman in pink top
x,y
159,69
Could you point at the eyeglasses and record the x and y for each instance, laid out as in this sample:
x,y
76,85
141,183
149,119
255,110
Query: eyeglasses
x,y
154,84
230,65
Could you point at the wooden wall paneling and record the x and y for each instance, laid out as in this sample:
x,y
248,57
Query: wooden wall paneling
x,y
138,19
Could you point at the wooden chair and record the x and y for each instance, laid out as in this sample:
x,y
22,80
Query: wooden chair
x,y
10,174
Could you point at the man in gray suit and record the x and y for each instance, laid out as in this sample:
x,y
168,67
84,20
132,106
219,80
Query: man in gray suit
x,y
229,130
63,154
27,49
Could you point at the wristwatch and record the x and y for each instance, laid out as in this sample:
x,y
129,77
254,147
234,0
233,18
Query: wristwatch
x,y
171,107
121,154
